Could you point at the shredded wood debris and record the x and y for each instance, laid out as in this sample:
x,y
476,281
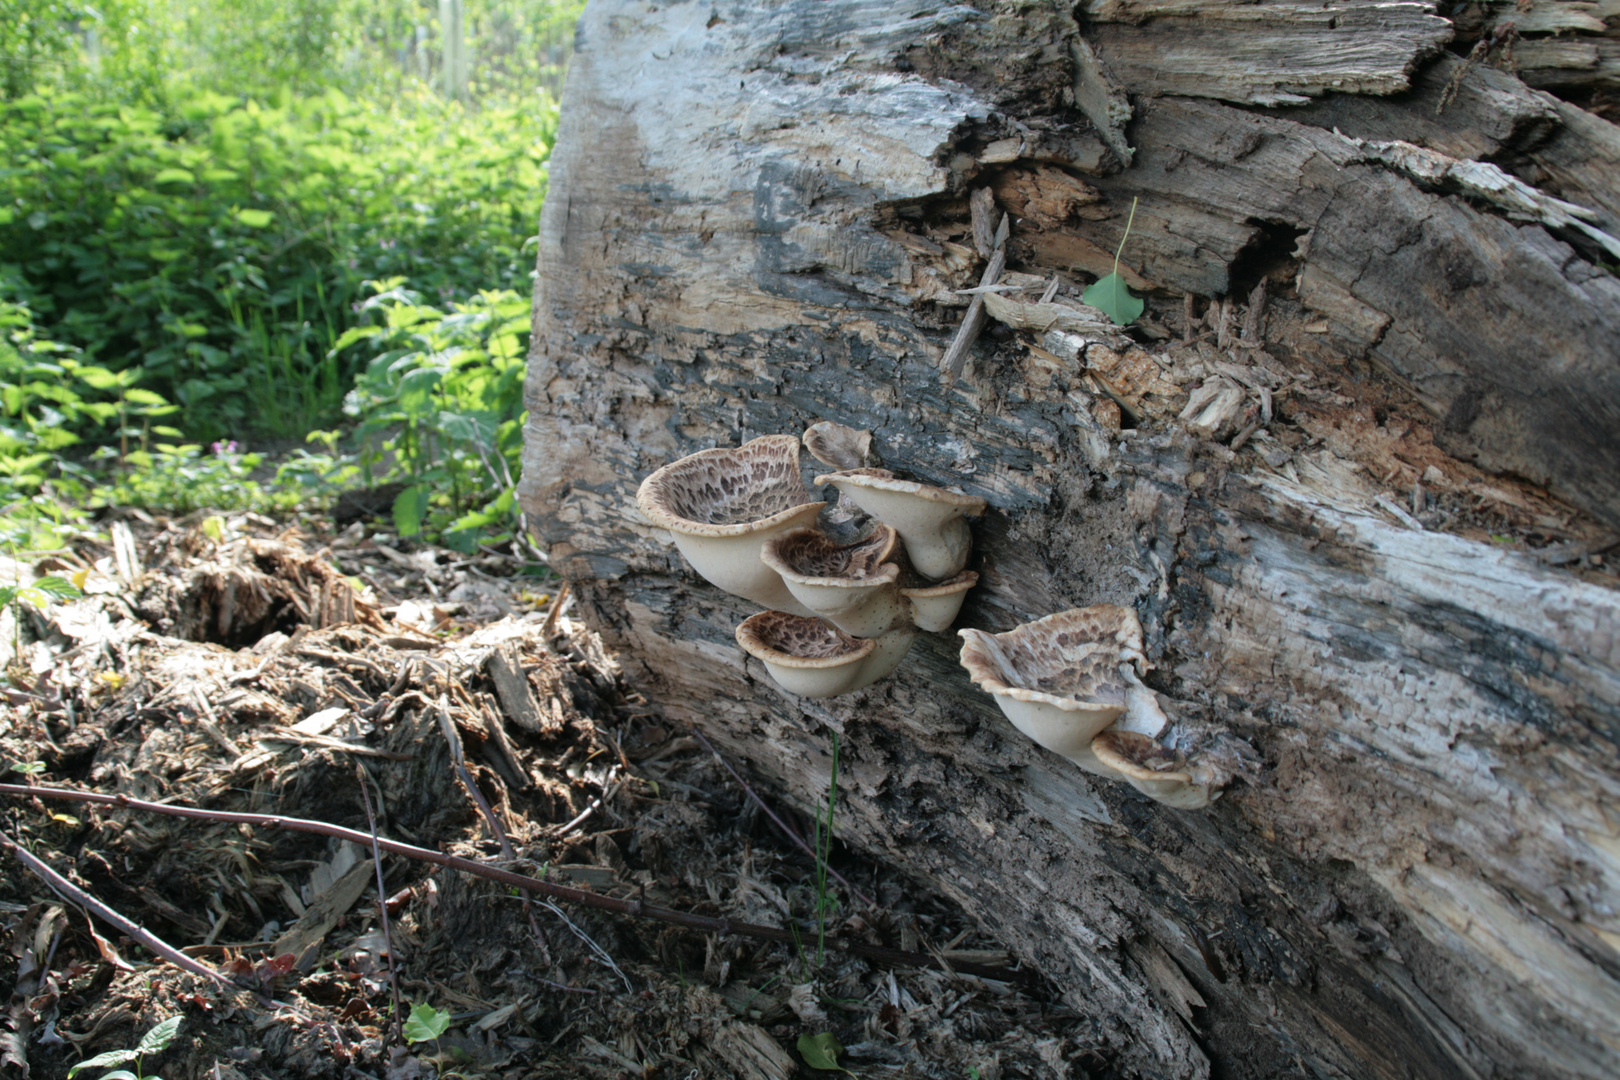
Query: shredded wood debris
x,y
235,665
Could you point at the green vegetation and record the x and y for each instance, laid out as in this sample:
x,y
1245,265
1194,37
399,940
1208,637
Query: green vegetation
x,y
153,1042
821,1052
425,1023
231,222
1110,294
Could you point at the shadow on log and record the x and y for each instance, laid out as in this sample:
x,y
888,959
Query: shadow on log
x,y
1372,554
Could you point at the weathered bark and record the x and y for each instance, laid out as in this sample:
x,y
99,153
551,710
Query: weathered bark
x,y
757,214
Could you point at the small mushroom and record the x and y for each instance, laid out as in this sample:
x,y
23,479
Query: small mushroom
x,y
934,607
852,586
1155,770
722,506
838,446
1059,679
929,519
810,658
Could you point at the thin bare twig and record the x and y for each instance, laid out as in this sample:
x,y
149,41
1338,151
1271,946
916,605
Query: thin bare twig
x,y
457,762
787,830
634,908
382,902
75,895
497,830
608,788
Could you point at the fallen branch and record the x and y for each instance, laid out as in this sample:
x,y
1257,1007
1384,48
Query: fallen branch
x,y
135,931
633,908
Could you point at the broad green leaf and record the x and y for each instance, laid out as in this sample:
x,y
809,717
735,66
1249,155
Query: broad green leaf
x,y
1113,298
416,389
255,219
137,396
352,335
101,1061
158,1039
409,508
821,1051
425,1023
99,378
175,176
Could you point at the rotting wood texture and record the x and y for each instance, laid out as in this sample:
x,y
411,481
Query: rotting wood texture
x,y
757,219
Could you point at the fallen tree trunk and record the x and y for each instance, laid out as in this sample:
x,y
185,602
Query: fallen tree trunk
x,y
1369,559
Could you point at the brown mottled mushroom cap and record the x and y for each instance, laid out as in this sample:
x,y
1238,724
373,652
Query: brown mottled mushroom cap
x,y
839,446
795,641
727,492
810,556
1138,757
1070,660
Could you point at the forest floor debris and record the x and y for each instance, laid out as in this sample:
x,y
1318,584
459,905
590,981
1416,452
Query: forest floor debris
x,y
235,664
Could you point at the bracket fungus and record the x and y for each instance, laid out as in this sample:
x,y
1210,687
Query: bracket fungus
x,y
1069,681
808,657
934,607
930,520
1057,679
1155,770
723,505
853,586
845,601
839,446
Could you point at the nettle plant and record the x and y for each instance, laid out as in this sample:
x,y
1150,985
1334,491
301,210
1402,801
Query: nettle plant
x,y
439,407
54,407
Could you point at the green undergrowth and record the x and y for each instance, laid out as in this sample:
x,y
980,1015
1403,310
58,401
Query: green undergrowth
x,y
221,246
227,225
437,405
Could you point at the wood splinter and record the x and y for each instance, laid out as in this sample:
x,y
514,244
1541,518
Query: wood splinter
x,y
973,322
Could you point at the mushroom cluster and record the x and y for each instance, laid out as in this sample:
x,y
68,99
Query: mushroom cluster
x,y
1071,682
846,591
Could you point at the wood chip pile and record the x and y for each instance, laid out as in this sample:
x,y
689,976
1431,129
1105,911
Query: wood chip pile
x,y
231,665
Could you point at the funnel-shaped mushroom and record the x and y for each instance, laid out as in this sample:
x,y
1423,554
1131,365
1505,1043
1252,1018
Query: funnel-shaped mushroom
x,y
807,657
1155,770
1058,679
851,586
723,505
934,607
929,519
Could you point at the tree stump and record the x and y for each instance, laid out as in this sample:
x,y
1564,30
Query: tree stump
x,y
1368,559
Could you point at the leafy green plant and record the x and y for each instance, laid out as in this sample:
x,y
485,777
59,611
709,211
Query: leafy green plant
x,y
442,398
1110,294
220,245
425,1023
28,768
153,1042
180,478
821,1051
37,594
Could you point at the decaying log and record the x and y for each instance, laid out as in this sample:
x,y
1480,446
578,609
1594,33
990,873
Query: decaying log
x,y
758,218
